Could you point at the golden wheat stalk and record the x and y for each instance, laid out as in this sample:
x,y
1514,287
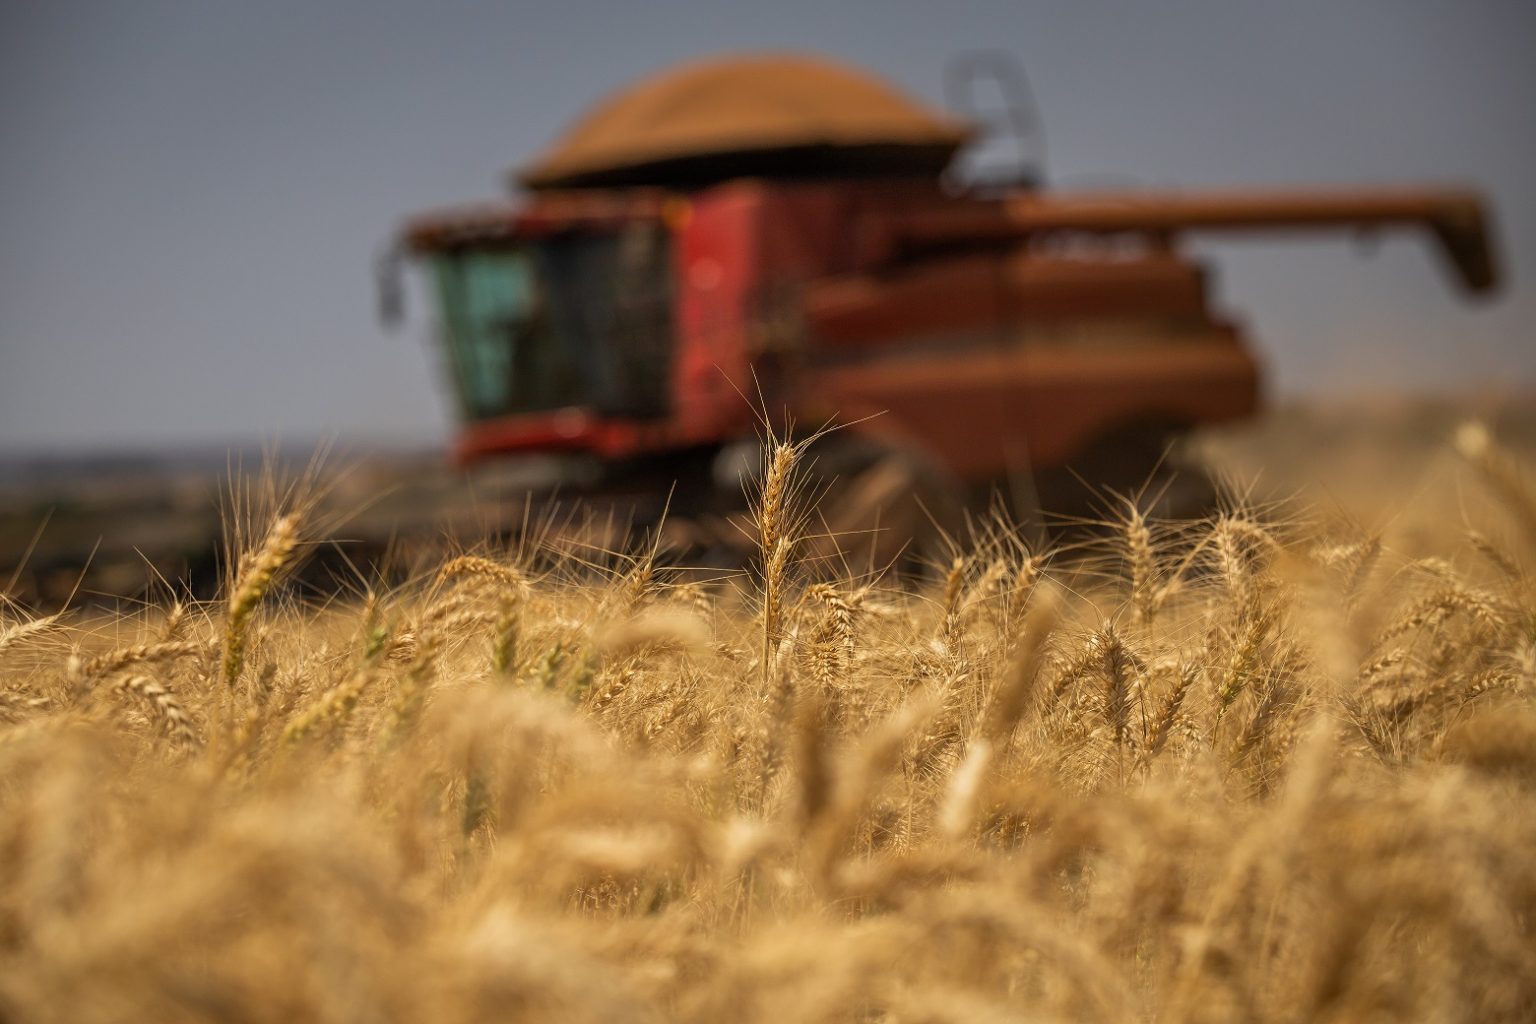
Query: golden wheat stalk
x,y
775,541
1172,706
951,624
173,716
175,621
258,570
137,654
23,631
411,692
1507,565
1432,610
479,567
1013,698
509,625
331,710
831,643
958,808
1141,563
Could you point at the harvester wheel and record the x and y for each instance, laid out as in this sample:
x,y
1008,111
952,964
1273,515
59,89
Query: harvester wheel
x,y
879,508
1147,462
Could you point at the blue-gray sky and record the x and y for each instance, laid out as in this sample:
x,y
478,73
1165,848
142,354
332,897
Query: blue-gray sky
x,y
191,193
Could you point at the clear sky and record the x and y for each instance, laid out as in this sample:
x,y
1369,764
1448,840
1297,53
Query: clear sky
x,y
192,193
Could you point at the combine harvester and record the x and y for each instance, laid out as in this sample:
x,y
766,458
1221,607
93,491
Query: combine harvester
x,y
785,235
757,242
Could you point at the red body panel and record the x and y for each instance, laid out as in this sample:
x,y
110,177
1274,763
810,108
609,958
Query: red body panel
x,y
986,332
1037,402
716,270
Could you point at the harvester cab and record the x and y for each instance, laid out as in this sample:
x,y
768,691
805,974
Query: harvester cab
x,y
776,235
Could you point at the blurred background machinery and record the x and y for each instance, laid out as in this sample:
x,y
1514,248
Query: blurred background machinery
x,y
778,242
759,243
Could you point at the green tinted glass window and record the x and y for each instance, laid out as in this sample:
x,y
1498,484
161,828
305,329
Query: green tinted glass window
x,y
576,319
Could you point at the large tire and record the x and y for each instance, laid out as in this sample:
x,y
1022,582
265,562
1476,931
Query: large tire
x,y
1144,462
878,508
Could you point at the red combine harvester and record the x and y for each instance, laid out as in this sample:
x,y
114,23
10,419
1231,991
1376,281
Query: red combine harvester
x,y
778,234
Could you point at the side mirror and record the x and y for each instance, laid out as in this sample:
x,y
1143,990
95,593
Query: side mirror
x,y
1016,124
389,279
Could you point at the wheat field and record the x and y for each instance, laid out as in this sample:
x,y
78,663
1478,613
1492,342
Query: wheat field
x,y
1265,766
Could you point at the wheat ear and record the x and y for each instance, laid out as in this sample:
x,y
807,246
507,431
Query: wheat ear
x,y
117,660
257,572
174,718
22,630
774,545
